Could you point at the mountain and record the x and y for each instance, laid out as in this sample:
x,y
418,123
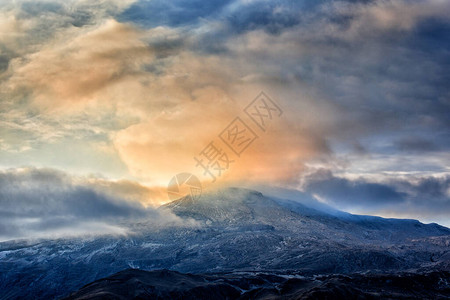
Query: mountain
x,y
241,207
165,284
230,230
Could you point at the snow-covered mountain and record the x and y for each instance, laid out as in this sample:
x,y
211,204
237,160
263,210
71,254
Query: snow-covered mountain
x,y
242,207
235,230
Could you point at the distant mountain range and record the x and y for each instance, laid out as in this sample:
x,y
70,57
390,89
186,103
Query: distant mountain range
x,y
235,230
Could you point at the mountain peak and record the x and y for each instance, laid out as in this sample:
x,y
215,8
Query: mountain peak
x,y
220,197
230,204
244,207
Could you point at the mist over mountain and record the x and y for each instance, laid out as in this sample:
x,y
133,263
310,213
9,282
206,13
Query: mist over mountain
x,y
330,117
229,230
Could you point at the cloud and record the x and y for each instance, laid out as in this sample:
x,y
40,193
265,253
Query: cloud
x,y
77,70
167,94
136,90
413,144
351,194
173,13
392,15
48,203
423,197
157,149
27,25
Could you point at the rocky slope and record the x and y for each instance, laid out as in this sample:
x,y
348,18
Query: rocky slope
x,y
164,284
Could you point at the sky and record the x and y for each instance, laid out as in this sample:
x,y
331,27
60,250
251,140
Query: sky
x,y
103,102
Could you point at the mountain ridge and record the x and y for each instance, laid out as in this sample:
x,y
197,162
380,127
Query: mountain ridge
x,y
166,284
233,204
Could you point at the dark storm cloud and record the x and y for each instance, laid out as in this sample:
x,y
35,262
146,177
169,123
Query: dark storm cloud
x,y
415,144
346,193
422,197
38,202
397,81
383,77
428,190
